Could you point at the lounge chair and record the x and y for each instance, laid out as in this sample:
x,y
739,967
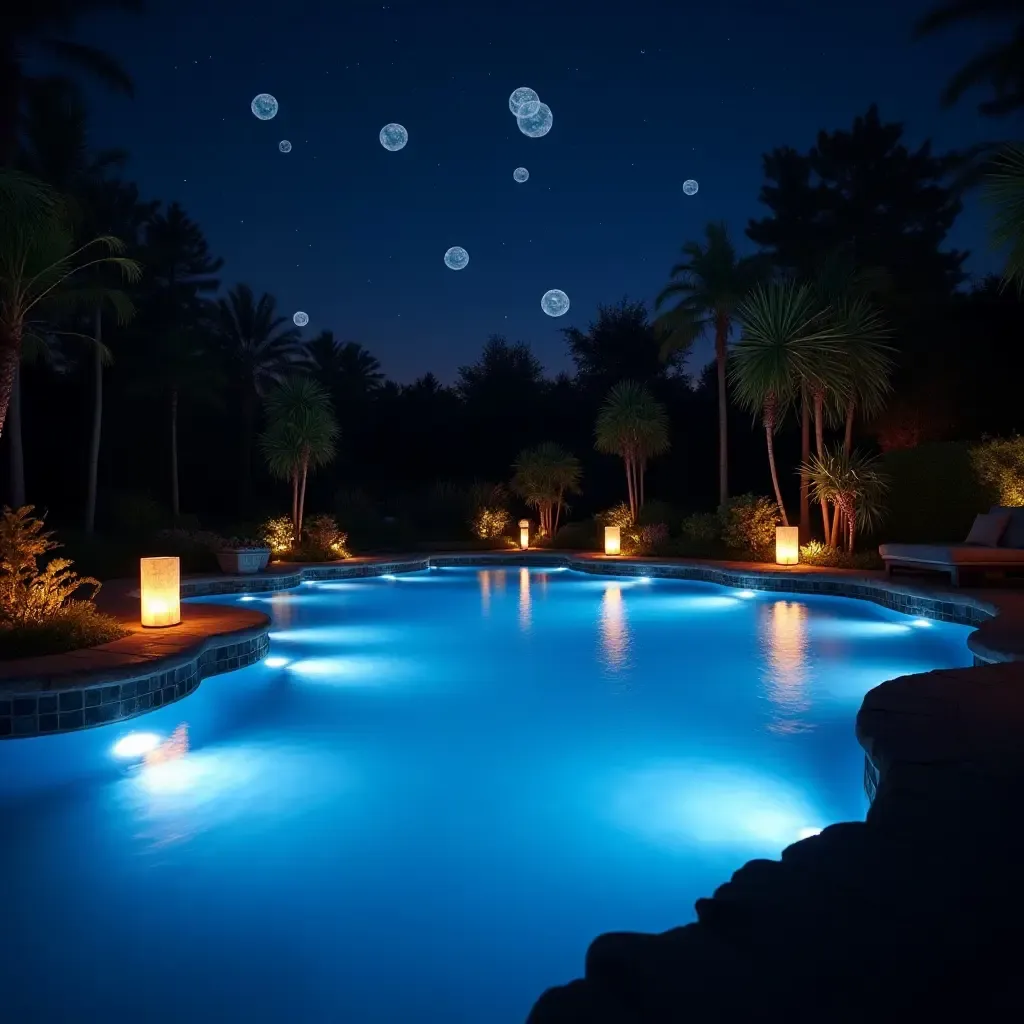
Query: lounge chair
x,y
995,543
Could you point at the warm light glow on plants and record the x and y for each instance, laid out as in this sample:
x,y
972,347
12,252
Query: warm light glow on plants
x,y
160,591
612,540
787,545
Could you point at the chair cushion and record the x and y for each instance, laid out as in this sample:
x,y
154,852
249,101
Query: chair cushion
x,y
988,528
952,554
1014,534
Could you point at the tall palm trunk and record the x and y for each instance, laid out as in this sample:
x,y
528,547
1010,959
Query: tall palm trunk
x,y
819,438
851,409
628,461
17,444
558,514
721,343
175,494
769,431
805,457
302,494
92,486
295,506
10,358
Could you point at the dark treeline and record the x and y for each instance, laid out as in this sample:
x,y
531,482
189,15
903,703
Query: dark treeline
x,y
164,409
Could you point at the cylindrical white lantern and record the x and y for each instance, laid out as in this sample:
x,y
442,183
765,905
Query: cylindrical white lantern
x,y
612,540
160,591
787,545
524,533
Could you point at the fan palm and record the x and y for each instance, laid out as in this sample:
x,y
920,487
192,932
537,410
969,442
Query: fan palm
x,y
785,347
42,26
634,426
853,483
1005,190
41,274
543,477
709,283
259,352
300,436
1000,64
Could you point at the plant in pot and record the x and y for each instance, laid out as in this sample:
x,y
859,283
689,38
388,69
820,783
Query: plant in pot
x,y
242,555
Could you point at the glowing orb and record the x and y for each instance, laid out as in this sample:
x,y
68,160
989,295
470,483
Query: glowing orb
x,y
520,174
264,106
393,137
538,124
285,146
555,302
690,187
136,744
456,258
523,102
300,319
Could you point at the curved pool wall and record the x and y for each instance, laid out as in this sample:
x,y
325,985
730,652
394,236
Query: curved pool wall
x,y
434,792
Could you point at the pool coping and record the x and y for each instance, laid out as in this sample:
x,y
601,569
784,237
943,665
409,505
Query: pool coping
x,y
149,669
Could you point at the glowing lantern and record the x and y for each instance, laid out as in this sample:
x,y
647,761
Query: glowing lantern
x,y
787,545
524,533
612,540
161,592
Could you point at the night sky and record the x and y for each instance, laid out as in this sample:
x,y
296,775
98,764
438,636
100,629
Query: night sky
x,y
642,100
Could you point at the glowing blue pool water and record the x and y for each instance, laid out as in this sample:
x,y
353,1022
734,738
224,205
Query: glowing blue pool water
x,y
430,798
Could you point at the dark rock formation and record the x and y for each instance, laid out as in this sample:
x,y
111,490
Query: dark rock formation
x,y
916,913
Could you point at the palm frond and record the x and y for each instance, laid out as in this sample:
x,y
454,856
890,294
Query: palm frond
x,y
1004,189
100,65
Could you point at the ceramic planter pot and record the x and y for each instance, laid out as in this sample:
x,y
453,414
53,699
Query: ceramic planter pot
x,y
243,560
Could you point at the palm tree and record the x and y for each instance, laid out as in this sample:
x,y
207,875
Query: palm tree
x,y
543,477
786,343
854,484
300,436
259,352
42,26
41,274
345,368
710,282
1005,190
1000,64
633,425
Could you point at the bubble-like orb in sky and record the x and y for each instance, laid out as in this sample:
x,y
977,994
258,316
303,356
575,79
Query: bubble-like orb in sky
x,y
555,302
393,137
690,187
520,174
264,106
456,258
537,124
285,146
300,319
523,102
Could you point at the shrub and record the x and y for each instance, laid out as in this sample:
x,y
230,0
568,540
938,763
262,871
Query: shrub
x,y
748,524
75,626
934,493
701,528
39,613
816,553
278,534
489,515
324,539
135,514
619,515
650,539
999,466
655,512
579,536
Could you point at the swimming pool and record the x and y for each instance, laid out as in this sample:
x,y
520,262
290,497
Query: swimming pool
x,y
433,794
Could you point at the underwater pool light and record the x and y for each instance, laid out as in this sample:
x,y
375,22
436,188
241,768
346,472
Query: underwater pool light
x,y
643,579
136,744
746,594
391,577
275,662
922,624
806,833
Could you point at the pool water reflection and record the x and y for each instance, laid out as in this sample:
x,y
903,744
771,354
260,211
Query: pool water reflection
x,y
432,794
